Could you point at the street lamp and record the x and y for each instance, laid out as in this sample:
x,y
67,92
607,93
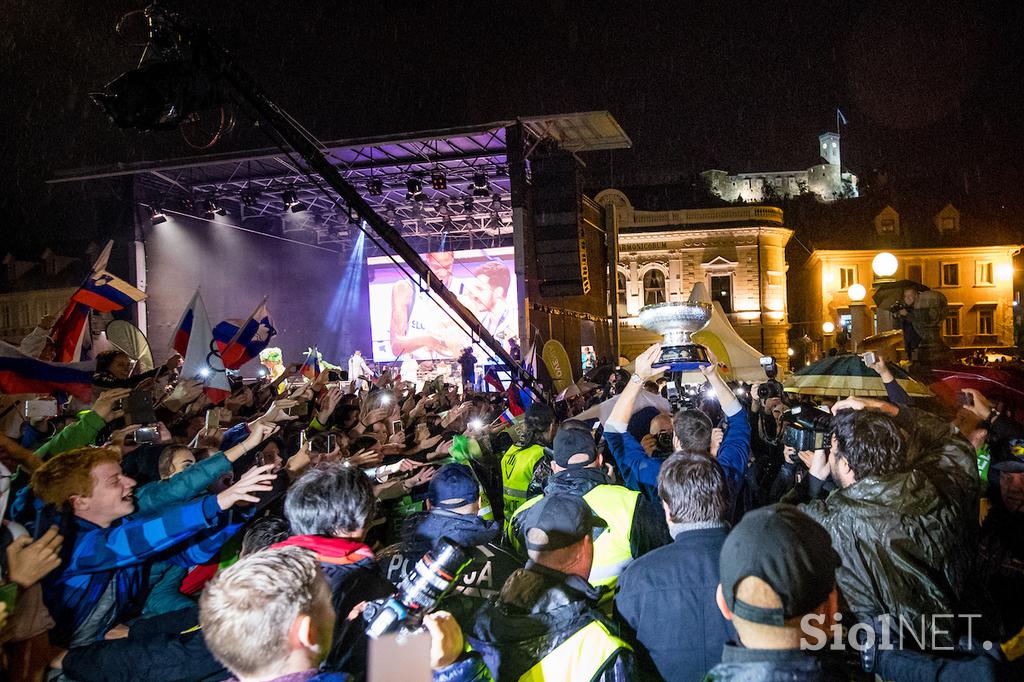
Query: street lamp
x,y
1004,272
828,327
857,292
884,264
858,314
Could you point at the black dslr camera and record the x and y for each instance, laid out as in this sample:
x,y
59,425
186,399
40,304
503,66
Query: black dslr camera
x,y
419,593
773,387
805,427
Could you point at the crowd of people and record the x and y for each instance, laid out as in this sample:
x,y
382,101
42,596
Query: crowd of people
x,y
153,535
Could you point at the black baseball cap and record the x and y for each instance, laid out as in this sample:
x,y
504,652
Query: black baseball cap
x,y
570,442
558,521
787,549
453,486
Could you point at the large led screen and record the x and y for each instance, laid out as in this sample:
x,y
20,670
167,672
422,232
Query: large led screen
x,y
407,322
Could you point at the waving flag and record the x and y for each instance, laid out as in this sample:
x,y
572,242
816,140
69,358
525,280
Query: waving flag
x,y
184,330
69,331
240,342
106,293
22,373
311,367
515,401
839,117
491,378
202,359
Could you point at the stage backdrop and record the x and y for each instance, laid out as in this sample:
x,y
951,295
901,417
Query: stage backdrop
x,y
406,322
316,297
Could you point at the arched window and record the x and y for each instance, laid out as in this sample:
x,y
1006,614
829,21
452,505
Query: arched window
x,y
620,292
654,287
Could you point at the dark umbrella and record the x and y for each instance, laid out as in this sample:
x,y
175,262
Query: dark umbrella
x,y
898,285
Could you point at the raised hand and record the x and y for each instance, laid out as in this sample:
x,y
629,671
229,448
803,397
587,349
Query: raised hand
x,y
29,562
645,360
256,480
108,405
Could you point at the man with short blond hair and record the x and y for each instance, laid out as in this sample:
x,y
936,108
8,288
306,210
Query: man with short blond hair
x,y
270,616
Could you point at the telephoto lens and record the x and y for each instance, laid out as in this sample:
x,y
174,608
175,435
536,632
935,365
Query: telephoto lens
x,y
420,591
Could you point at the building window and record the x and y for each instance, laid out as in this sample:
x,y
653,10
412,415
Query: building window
x,y
654,287
721,291
983,273
950,275
847,278
986,322
887,225
915,274
620,294
952,324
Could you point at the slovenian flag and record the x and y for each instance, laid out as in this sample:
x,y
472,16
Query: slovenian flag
x,y
22,373
69,331
106,293
311,367
840,117
515,401
240,342
202,361
491,379
181,335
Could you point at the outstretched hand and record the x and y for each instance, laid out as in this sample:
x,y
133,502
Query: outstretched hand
x,y
256,480
645,361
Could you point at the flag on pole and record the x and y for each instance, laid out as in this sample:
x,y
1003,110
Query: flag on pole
x,y
240,342
202,359
840,118
311,367
68,332
515,403
184,330
22,373
106,293
491,379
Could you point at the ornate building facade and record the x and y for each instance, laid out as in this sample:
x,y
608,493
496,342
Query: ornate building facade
x,y
739,253
823,179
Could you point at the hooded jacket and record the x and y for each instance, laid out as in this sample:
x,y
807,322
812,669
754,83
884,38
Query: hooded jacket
x,y
905,539
352,573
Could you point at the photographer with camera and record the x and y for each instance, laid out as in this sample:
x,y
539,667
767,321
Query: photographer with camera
x,y
903,514
903,313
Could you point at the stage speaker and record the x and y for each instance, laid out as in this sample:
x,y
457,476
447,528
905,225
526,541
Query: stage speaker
x,y
559,242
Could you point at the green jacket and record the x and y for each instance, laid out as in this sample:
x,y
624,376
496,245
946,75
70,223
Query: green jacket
x,y
77,435
905,540
187,485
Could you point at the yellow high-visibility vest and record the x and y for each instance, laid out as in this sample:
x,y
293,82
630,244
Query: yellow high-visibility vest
x,y
616,505
516,473
579,658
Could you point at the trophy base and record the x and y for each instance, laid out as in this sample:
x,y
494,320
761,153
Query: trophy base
x,y
683,358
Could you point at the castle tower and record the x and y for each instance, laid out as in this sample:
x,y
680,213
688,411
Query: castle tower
x,y
828,147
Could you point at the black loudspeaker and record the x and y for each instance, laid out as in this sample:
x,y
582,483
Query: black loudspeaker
x,y
559,241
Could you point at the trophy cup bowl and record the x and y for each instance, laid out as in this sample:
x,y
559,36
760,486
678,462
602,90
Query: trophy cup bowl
x,y
676,322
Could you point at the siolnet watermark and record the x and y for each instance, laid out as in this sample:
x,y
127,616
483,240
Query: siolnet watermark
x,y
929,632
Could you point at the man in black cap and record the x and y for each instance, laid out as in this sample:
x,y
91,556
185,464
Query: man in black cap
x,y
453,506
545,625
634,525
777,572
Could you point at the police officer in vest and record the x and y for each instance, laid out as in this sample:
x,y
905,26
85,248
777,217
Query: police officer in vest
x,y
527,457
545,625
453,506
634,525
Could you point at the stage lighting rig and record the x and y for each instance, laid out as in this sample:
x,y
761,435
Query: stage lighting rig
x,y
291,201
438,181
250,198
467,204
210,208
156,216
414,190
375,187
480,187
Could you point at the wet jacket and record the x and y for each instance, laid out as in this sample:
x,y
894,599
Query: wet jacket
x,y
740,664
537,612
905,539
490,565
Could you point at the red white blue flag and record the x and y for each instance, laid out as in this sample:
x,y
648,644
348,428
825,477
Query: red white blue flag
x,y
22,373
202,357
240,342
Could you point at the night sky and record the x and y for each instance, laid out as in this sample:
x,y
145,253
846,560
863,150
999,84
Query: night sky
x,y
930,90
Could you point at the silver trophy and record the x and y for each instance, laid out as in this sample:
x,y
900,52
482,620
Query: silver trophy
x,y
676,322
